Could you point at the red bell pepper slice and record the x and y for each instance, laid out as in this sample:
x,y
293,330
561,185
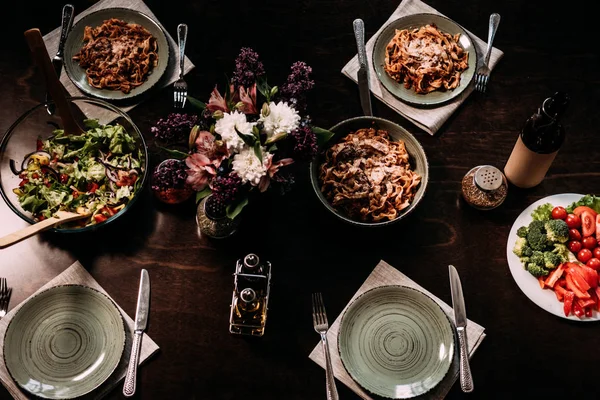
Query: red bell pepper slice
x,y
542,281
560,292
586,302
554,275
100,218
578,310
591,276
575,289
568,302
578,279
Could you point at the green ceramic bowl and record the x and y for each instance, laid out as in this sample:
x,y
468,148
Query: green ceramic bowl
x,y
64,342
418,162
396,342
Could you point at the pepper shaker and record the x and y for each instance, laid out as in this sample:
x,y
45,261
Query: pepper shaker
x,y
484,187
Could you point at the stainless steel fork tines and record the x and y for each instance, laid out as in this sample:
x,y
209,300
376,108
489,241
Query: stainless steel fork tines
x,y
322,326
5,293
483,73
180,87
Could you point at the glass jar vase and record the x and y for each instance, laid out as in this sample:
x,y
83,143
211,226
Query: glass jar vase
x,y
216,225
169,182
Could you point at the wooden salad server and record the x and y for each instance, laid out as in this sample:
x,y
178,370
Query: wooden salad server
x,y
59,218
53,84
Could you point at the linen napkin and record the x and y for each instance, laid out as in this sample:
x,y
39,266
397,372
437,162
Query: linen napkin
x,y
385,274
171,74
76,274
428,119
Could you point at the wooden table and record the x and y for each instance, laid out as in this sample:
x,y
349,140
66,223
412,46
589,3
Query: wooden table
x,y
527,350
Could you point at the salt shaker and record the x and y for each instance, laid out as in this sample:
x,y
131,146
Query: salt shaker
x,y
484,187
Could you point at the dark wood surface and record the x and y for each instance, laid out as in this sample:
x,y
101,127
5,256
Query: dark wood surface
x,y
527,350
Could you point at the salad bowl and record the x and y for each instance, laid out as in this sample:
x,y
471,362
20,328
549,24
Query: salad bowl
x,y
90,171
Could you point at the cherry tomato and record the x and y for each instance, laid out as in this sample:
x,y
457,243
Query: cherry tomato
x,y
574,234
596,252
574,246
559,212
593,263
588,224
589,242
573,221
584,255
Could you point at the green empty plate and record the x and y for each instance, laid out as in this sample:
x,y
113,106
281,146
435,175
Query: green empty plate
x,y
64,342
396,342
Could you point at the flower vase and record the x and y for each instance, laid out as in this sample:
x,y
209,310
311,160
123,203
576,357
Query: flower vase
x,y
169,182
216,225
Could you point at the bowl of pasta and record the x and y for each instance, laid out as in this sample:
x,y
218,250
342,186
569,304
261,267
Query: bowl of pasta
x,y
99,172
371,173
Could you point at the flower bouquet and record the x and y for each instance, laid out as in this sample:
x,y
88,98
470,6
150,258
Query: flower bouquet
x,y
244,140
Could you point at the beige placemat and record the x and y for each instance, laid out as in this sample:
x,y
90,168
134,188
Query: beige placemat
x,y
76,274
171,74
385,274
428,119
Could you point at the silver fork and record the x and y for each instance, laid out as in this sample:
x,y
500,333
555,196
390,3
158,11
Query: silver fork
x,y
322,326
483,73
180,86
5,293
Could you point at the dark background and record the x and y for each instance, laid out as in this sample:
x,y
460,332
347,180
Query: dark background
x,y
527,351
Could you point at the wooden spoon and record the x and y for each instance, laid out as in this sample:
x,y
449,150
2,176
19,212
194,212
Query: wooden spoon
x,y
59,218
53,84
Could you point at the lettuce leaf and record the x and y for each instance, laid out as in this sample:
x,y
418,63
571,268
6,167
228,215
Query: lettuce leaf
x,y
543,212
588,200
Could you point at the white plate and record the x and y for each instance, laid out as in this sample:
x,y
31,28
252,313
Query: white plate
x,y
529,285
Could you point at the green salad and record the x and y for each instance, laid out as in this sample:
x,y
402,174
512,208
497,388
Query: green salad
x,y
96,173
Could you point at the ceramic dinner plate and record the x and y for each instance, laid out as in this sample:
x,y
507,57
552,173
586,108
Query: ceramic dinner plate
x,y
396,342
416,21
75,42
64,342
529,285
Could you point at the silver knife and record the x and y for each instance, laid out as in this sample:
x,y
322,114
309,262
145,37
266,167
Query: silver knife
x,y
460,319
363,71
141,321
57,61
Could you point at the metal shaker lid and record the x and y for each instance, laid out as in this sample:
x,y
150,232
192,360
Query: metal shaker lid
x,y
488,178
251,261
248,295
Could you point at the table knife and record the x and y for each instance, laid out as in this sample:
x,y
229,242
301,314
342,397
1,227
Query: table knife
x,y
141,321
460,319
57,61
363,71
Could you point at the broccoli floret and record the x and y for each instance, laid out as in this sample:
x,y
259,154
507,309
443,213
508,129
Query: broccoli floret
x,y
536,270
520,244
537,258
537,239
564,253
522,232
527,252
536,225
557,230
551,260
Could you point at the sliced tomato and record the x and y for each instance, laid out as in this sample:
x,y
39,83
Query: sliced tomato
x,y
598,229
100,218
580,293
580,209
555,275
588,223
92,187
569,297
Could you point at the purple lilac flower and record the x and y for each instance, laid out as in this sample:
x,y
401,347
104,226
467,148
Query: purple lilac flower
x,y
297,85
304,142
225,189
174,128
247,68
169,174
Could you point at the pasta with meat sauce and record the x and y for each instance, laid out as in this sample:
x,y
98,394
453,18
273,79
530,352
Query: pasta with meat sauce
x,y
425,59
368,176
117,55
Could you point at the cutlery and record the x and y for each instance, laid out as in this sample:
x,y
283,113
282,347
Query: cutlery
x,y
363,71
460,319
5,293
55,88
59,218
141,322
483,73
57,61
180,86
321,325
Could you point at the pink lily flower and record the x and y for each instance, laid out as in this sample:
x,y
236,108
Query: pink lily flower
x,y
272,169
199,171
206,144
248,99
216,102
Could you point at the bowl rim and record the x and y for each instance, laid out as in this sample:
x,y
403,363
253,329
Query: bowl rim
x,y
8,134
315,180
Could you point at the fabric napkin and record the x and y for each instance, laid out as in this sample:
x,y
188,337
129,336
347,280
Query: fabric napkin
x,y
171,74
385,274
428,119
76,274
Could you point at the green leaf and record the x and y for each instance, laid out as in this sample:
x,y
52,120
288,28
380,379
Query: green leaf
x,y
91,123
196,103
234,209
323,135
258,151
263,87
203,193
255,131
248,139
180,155
273,148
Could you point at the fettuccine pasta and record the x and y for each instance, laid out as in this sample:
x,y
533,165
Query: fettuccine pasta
x,y
117,55
425,59
368,176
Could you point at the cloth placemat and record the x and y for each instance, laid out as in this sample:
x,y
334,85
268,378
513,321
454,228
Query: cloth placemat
x,y
171,74
76,274
428,119
385,274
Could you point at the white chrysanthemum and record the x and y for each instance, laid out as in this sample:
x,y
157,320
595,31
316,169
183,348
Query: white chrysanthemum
x,y
248,167
226,127
281,119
